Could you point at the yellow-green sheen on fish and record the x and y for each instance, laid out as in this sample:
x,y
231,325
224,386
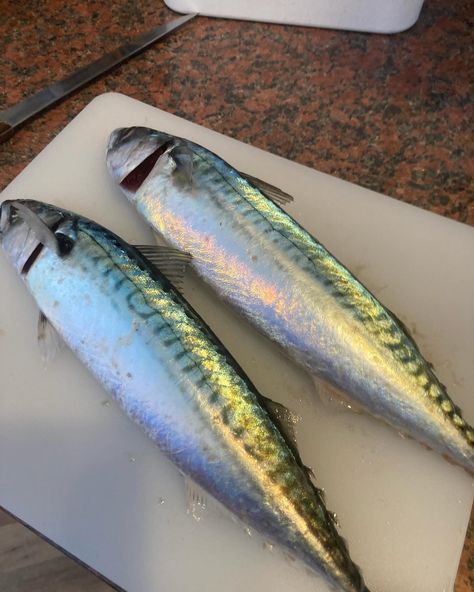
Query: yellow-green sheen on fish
x,y
286,283
147,347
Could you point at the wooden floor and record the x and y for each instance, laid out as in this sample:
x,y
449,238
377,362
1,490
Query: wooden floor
x,y
29,564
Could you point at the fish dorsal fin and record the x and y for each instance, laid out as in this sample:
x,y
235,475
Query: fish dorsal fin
x,y
49,340
170,262
404,328
177,161
274,193
284,419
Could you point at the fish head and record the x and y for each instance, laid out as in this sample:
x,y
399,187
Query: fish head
x,y
28,226
132,153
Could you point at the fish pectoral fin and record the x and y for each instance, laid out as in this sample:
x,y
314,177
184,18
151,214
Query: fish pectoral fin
x,y
172,263
49,340
183,158
273,193
283,418
177,162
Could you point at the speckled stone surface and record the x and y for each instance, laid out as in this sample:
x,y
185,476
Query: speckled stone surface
x,y
391,113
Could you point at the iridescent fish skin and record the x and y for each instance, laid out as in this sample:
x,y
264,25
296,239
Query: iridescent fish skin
x,y
172,376
286,283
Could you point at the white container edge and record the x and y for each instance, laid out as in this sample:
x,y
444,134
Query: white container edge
x,y
374,16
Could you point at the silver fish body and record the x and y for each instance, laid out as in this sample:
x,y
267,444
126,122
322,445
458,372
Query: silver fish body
x,y
286,283
172,376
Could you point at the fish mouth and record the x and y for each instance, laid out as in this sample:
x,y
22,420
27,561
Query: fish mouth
x,y
132,154
5,211
8,217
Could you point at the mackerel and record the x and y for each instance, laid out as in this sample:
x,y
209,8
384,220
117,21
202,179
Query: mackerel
x,y
127,323
264,264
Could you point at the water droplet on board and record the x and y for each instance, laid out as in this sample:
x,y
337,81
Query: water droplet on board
x,y
132,459
268,545
161,501
106,403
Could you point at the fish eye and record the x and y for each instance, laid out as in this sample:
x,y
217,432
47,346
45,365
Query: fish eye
x,y
65,243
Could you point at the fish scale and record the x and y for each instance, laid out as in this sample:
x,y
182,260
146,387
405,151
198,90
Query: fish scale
x,y
172,376
272,271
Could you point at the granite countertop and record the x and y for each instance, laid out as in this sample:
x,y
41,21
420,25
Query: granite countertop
x,y
391,113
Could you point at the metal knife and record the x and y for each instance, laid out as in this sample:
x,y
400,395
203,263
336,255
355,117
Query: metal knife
x,y
12,118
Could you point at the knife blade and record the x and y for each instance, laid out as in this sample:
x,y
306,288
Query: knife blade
x,y
13,117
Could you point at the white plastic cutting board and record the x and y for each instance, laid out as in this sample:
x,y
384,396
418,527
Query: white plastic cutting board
x,y
77,470
387,16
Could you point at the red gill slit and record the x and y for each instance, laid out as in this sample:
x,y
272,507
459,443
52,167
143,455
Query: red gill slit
x,y
35,253
32,258
134,180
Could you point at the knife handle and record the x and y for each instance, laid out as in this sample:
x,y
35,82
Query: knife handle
x,y
6,130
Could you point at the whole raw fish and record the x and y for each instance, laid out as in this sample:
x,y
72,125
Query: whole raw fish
x,y
263,263
150,350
